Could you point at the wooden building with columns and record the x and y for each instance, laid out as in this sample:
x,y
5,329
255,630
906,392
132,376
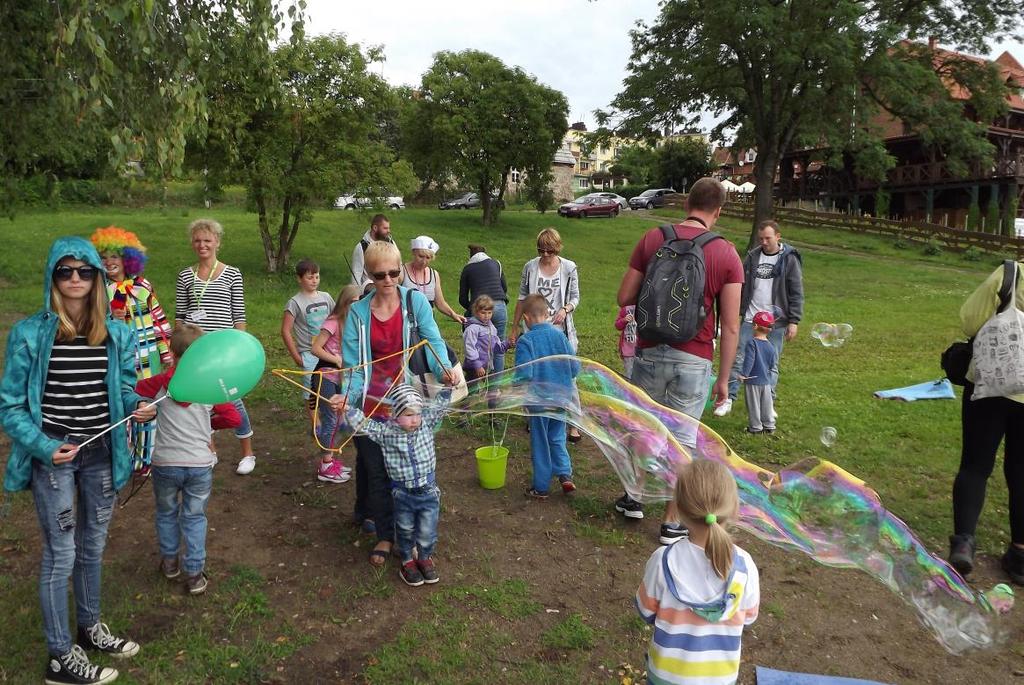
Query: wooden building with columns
x,y
921,186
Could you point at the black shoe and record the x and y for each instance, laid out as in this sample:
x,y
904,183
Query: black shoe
x,y
74,668
1013,563
672,532
410,573
97,638
629,507
428,571
961,553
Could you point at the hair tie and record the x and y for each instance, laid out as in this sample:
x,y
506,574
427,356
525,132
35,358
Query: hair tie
x,y
710,518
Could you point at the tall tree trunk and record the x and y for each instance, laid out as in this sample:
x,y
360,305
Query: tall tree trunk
x,y
764,193
286,245
282,230
485,202
268,244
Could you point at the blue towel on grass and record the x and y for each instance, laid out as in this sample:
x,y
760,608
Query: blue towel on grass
x,y
769,676
941,389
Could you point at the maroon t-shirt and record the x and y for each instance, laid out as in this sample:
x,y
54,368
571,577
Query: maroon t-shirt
x,y
385,339
722,266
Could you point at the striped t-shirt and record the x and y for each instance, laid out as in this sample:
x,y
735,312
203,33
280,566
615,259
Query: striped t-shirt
x,y
75,398
213,305
698,618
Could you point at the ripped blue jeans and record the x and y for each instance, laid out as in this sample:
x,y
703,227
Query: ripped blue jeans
x,y
74,502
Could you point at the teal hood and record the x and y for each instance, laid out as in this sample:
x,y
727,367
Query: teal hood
x,y
69,246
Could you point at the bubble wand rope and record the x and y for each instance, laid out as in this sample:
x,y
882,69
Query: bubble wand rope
x,y
112,427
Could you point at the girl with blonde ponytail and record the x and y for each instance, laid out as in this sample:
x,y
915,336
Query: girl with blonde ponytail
x,y
701,591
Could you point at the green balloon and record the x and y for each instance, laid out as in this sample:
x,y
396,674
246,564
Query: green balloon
x,y
218,367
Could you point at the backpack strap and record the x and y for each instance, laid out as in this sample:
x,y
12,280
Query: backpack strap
x,y
410,313
1006,289
365,244
705,238
668,232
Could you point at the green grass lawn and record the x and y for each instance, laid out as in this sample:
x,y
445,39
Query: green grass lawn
x,y
902,304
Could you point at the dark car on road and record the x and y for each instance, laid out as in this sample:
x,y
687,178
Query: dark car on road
x,y
589,206
468,201
651,198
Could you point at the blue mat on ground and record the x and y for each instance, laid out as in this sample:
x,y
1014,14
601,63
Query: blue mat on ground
x,y
769,676
941,389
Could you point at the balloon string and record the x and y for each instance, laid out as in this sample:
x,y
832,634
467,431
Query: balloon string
x,y
124,420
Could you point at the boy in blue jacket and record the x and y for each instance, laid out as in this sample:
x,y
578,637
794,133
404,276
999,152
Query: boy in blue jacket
x,y
552,379
760,360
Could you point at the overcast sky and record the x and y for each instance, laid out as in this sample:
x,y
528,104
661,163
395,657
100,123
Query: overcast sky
x,y
579,47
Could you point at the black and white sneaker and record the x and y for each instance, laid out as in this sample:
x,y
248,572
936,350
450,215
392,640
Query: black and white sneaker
x,y
629,507
98,639
74,668
672,532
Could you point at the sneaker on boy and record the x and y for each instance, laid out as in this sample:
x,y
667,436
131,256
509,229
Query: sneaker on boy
x,y
196,584
672,532
567,485
533,493
74,668
332,472
409,572
629,507
428,571
98,638
170,568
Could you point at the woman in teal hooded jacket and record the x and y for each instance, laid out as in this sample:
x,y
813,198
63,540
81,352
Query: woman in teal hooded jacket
x,y
69,372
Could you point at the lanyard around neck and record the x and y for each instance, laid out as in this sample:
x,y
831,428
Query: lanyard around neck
x,y
199,300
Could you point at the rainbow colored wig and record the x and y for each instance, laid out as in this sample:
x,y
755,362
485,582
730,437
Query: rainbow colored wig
x,y
123,243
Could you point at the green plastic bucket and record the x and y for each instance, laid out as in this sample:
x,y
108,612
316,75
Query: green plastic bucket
x,y
490,464
710,404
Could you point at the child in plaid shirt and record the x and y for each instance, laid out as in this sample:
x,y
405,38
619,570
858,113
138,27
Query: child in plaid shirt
x,y
410,459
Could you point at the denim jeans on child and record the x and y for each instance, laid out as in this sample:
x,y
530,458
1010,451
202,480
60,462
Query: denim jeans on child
x,y
416,513
327,418
73,537
500,320
548,452
182,494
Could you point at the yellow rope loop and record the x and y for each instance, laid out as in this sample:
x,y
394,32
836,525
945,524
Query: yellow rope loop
x,y
284,374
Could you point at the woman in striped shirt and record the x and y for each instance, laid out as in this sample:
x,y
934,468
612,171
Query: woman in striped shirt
x,y
210,295
69,372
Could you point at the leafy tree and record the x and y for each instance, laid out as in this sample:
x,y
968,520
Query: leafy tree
x,y
477,119
302,134
637,163
539,192
138,70
792,73
680,162
992,216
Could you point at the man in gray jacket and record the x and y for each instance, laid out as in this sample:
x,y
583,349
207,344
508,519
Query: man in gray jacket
x,y
773,282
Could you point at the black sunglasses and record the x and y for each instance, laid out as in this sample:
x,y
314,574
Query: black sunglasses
x,y
541,250
380,275
86,272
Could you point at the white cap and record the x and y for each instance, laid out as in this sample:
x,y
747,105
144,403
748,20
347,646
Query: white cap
x,y
424,242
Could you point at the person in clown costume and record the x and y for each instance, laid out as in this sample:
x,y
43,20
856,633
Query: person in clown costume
x,y
133,300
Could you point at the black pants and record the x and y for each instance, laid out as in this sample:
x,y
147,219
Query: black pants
x,y
985,423
372,475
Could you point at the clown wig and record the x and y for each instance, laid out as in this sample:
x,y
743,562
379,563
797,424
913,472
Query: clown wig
x,y
123,243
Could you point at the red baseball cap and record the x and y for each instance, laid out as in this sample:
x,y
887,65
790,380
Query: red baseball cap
x,y
764,319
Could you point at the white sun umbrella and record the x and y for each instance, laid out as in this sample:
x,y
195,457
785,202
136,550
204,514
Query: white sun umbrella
x,y
747,187
730,187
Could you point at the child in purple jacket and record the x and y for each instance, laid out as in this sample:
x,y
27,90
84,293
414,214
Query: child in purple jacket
x,y
481,339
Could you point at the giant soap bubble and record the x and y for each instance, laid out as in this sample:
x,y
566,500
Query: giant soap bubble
x,y
812,506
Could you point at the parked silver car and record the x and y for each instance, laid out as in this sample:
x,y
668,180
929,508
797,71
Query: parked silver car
x,y
622,202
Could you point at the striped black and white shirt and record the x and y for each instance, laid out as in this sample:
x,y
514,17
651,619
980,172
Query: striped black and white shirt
x,y
212,306
75,398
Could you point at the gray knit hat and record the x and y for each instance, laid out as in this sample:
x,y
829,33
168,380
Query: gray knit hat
x,y
405,398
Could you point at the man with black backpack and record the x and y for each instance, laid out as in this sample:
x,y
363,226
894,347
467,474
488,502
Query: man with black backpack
x,y
679,278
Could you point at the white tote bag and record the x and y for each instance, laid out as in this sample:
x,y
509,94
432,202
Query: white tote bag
x,y
999,352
